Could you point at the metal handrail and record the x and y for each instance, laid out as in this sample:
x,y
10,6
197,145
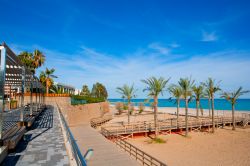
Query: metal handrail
x,y
80,160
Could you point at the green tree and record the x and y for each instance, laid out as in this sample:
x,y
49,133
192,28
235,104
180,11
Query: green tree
x,y
85,90
176,92
198,94
99,91
232,98
32,60
186,85
127,92
155,87
46,77
213,87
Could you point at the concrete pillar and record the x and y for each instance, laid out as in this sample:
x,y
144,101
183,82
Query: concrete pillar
x,y
2,82
31,92
22,93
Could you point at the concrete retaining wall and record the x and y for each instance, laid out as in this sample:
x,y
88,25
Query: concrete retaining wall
x,y
76,115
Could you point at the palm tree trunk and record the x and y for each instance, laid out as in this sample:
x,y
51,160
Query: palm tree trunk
x,y
128,112
213,122
47,87
197,109
155,116
209,107
178,107
233,118
186,117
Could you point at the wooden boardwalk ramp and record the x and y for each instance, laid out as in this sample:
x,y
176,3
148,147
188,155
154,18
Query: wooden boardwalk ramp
x,y
170,124
105,152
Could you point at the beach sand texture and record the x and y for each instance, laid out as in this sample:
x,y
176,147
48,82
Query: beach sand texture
x,y
166,113
224,147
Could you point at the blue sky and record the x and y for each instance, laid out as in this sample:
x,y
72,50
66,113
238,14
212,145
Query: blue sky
x,y
117,42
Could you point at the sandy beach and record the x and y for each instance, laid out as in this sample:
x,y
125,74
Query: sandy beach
x,y
225,147
166,113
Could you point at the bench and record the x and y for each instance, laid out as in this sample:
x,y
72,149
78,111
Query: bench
x,y
13,136
3,153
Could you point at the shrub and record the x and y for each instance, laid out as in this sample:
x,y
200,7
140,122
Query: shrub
x,y
77,99
119,107
125,107
141,107
157,140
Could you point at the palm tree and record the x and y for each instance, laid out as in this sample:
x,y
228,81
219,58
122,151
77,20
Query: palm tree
x,y
186,85
127,92
48,77
176,92
32,60
232,98
155,87
208,96
55,89
26,58
198,94
38,59
212,87
42,78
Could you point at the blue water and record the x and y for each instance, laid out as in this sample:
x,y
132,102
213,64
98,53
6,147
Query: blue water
x,y
220,104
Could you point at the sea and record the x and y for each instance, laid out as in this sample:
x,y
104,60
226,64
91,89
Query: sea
x,y
219,104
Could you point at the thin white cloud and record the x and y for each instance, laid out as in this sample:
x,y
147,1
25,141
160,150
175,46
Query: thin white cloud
x,y
161,49
209,36
88,66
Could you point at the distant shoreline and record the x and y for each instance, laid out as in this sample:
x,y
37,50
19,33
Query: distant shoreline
x,y
192,111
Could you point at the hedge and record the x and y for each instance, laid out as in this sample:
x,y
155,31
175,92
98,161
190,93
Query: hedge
x,y
77,99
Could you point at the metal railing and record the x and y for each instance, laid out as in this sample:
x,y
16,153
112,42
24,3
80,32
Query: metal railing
x,y
76,153
139,155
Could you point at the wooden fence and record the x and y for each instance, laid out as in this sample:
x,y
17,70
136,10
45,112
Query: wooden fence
x,y
168,125
139,155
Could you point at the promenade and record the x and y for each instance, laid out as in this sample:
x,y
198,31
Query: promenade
x,y
42,145
105,152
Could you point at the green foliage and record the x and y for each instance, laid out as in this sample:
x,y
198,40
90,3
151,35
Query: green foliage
x,y
13,101
157,140
141,108
99,91
87,99
198,92
232,97
211,87
119,107
155,86
46,78
186,85
127,92
125,107
55,89
85,91
32,60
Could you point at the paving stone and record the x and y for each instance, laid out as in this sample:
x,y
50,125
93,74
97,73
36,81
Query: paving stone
x,y
43,144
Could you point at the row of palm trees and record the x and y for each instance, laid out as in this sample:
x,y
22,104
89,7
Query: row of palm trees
x,y
34,60
185,90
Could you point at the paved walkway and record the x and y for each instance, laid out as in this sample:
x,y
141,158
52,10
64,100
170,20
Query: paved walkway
x,y
105,152
42,145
